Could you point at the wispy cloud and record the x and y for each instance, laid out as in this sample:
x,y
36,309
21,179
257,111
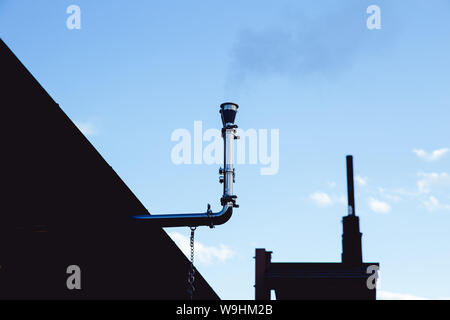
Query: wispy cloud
x,y
87,128
428,181
430,186
324,44
431,156
379,206
323,199
433,204
332,184
387,295
362,181
204,254
395,195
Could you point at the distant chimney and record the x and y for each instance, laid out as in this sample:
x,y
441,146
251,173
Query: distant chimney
x,y
351,238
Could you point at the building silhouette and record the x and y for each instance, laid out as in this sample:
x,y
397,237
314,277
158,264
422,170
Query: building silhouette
x,y
63,205
347,280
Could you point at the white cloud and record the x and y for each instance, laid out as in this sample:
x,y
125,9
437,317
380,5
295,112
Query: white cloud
x,y
430,188
203,254
432,156
362,181
428,181
87,128
432,204
387,295
392,195
321,198
379,206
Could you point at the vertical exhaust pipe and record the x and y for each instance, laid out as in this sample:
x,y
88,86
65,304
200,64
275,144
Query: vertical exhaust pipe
x,y
350,186
228,112
351,238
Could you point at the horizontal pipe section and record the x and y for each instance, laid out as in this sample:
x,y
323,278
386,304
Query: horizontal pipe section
x,y
190,219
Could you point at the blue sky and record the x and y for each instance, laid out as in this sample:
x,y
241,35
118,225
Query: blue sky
x,y
136,71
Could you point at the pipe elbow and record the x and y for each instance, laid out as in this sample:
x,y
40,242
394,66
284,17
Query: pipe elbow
x,y
224,217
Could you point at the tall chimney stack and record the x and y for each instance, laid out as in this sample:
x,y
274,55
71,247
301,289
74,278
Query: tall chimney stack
x,y
350,187
351,238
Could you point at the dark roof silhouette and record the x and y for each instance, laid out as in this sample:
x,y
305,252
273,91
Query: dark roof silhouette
x,y
62,204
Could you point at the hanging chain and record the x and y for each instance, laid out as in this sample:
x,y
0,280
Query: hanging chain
x,y
191,273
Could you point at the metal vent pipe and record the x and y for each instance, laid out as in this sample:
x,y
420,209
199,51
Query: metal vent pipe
x,y
228,112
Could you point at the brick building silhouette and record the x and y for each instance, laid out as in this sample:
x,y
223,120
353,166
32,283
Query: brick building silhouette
x,y
346,280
